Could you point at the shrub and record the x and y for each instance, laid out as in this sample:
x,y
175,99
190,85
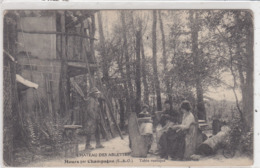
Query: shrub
x,y
43,128
240,137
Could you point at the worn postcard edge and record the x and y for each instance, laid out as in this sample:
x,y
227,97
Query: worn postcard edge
x,y
254,6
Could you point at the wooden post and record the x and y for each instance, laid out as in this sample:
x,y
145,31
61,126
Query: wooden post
x,y
64,97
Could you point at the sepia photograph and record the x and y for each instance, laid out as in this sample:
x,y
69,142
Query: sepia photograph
x,y
128,88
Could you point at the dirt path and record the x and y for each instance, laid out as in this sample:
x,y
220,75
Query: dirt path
x,y
117,153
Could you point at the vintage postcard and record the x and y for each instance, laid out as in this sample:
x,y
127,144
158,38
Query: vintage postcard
x,y
128,87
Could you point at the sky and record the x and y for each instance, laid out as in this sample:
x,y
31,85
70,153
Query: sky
x,y
221,93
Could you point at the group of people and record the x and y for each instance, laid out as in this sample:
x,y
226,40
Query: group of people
x,y
171,130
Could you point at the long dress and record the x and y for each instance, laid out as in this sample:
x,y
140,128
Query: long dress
x,y
168,118
172,142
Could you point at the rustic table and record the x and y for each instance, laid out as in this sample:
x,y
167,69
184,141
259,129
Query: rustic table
x,y
71,144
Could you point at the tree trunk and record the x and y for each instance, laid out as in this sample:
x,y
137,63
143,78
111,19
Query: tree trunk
x,y
242,81
239,64
92,49
122,114
125,94
165,69
246,76
145,83
138,73
209,146
127,60
138,144
156,78
103,48
200,101
201,112
248,101
166,78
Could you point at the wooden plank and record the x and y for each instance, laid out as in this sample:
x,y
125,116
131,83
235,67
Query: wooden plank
x,y
72,126
25,82
107,124
79,68
10,56
104,127
81,64
109,104
107,114
55,32
77,88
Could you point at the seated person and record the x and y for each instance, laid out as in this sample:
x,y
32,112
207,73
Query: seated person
x,y
146,125
144,112
168,115
172,141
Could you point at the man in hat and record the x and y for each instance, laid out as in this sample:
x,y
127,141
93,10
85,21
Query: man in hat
x,y
92,118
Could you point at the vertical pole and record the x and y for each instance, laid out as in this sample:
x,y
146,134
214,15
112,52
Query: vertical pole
x,y
64,96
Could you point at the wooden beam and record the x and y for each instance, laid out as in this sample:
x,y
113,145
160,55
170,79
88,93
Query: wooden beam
x,y
79,68
55,32
10,56
25,82
81,64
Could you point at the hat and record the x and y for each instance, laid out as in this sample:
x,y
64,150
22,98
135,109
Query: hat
x,y
94,90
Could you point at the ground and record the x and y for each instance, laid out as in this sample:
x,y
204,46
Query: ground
x,y
117,146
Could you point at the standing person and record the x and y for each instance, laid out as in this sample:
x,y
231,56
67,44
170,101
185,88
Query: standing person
x,y
92,118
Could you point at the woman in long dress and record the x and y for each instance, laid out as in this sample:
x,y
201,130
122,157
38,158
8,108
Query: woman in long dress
x,y
172,141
